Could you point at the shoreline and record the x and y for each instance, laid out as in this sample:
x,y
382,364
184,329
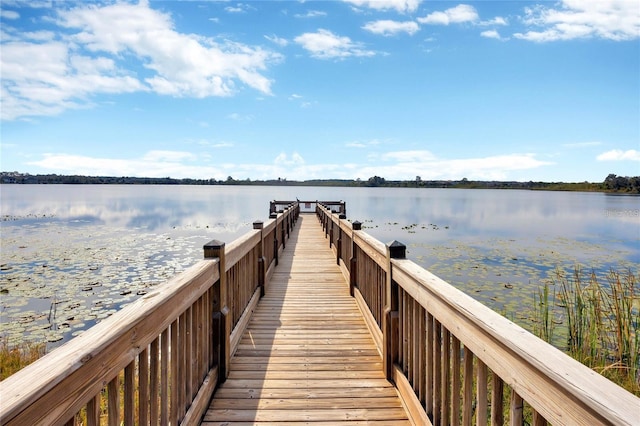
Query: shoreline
x,y
26,179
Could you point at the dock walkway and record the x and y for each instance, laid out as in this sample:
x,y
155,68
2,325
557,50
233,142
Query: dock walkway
x,y
306,356
396,345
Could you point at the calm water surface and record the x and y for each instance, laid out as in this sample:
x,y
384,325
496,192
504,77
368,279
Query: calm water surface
x,y
72,255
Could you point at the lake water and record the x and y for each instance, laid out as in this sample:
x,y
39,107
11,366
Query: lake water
x,y
72,255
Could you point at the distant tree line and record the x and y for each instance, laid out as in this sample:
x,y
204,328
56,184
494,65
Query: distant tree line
x,y
612,183
622,184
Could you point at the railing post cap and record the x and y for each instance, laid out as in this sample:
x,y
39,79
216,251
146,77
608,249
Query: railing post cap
x,y
258,224
273,215
357,225
397,250
213,249
342,216
214,244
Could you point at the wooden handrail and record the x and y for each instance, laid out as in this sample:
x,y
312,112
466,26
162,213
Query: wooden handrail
x,y
163,354
453,359
54,388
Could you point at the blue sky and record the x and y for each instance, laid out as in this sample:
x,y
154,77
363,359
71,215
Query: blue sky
x,y
504,90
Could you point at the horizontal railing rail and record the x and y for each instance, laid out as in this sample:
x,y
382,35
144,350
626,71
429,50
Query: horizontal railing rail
x,y
159,359
309,206
454,360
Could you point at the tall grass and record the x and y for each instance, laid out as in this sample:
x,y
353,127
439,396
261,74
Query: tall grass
x,y
15,357
544,327
601,322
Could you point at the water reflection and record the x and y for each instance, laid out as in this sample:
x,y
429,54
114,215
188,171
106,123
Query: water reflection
x,y
89,249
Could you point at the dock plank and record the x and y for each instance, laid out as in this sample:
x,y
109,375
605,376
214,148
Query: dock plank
x,y
307,356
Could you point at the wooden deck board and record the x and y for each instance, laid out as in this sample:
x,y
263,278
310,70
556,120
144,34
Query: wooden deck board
x,y
307,356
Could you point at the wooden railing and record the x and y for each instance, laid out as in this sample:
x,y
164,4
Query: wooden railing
x,y
339,207
159,359
455,361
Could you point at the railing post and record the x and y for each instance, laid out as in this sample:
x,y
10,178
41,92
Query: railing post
x,y
258,224
285,223
390,334
353,262
331,241
274,215
326,227
283,237
339,245
339,242
215,249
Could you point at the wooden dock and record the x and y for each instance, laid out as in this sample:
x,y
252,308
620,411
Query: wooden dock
x,y
307,319
307,355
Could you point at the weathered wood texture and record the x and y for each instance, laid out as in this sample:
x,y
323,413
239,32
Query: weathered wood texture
x,y
306,356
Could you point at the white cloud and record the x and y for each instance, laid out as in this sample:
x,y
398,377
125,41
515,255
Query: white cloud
x,y
361,144
498,20
607,19
391,165
303,104
399,5
418,156
491,34
47,78
184,64
408,164
277,40
355,145
223,145
283,160
43,75
389,28
38,35
619,155
455,15
287,169
168,156
9,14
239,8
239,117
311,14
209,143
324,44
153,164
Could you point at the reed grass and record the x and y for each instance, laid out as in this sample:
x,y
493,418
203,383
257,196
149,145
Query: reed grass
x,y
15,357
600,322
544,327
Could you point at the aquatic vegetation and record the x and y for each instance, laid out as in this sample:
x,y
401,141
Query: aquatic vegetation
x,y
52,292
544,325
600,323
